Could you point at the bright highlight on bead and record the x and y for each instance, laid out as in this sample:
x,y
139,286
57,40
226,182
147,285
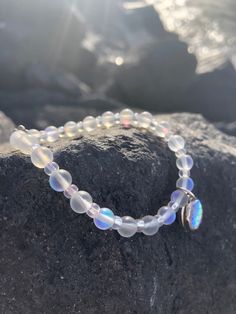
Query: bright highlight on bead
x,y
105,219
185,183
60,180
194,214
176,143
128,227
81,202
41,156
126,118
108,119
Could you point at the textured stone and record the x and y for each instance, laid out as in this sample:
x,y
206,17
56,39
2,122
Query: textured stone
x,y
54,261
6,128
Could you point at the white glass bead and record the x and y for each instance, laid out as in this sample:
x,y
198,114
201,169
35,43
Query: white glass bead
x,y
60,180
99,121
181,152
117,118
179,197
151,225
41,156
70,191
81,202
89,124
23,141
93,210
176,143
52,134
166,215
61,131
15,138
108,119
105,219
128,227
51,167
34,133
144,120
184,173
185,183
162,129
43,137
80,127
184,162
117,223
70,129
140,225
173,206
126,118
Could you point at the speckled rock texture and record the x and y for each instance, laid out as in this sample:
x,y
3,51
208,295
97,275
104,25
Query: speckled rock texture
x,y
54,261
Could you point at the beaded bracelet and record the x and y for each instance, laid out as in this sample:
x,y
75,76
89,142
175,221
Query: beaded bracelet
x,y
33,142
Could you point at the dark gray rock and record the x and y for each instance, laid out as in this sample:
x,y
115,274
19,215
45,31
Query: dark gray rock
x,y
6,128
54,261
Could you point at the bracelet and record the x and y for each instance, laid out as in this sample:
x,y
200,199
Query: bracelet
x,y
33,143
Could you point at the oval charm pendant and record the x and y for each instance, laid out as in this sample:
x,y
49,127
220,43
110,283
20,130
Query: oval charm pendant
x,y
191,215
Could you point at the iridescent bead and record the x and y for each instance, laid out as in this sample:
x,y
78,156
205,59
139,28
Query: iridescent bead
x,y
117,118
176,143
41,156
128,227
99,121
80,202
184,173
151,225
144,120
51,167
185,183
126,118
162,129
34,133
70,129
184,162
108,119
61,131
105,219
194,213
80,127
52,134
174,206
70,191
60,180
15,138
43,137
181,152
89,124
179,197
23,141
166,215
93,210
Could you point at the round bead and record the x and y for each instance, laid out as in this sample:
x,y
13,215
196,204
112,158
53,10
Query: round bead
x,y
117,118
173,206
128,227
70,129
52,134
70,191
23,141
15,138
108,119
81,202
89,124
93,210
151,225
41,156
162,129
99,121
126,118
140,225
179,197
51,167
185,183
184,173
105,219
166,215
184,162
144,120
176,143
34,133
80,127
61,131
181,152
60,180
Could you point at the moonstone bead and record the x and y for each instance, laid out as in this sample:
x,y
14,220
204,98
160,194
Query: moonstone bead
x,y
52,134
126,118
185,183
89,124
23,141
179,197
51,167
128,227
105,219
166,215
34,133
61,131
70,129
70,191
194,213
108,119
117,223
184,162
15,138
60,180
140,225
176,143
162,129
151,225
80,202
41,156
93,210
144,120
80,127
184,173
180,152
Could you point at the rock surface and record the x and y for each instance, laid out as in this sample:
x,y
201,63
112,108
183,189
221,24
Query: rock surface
x,y
54,261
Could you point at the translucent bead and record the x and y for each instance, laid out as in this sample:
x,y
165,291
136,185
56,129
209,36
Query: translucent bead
x,y
184,173
80,127
180,152
70,191
185,183
70,129
43,137
108,119
184,162
105,219
151,225
194,214
60,180
162,129
15,138
34,133
51,167
176,143
126,118
140,225
128,227
81,202
52,134
117,223
173,206
166,215
61,131
89,124
179,197
144,120
93,210
117,118
99,121
41,156
23,141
